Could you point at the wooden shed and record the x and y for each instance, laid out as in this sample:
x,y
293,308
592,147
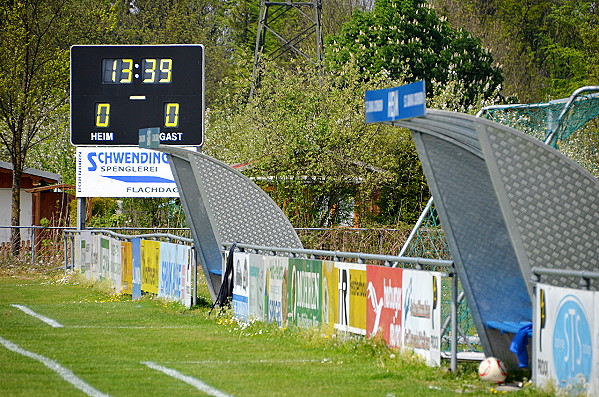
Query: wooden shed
x,y
43,196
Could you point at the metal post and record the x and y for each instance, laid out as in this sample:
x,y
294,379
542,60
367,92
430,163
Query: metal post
x,y
194,276
533,363
33,244
454,321
81,212
66,252
73,251
423,214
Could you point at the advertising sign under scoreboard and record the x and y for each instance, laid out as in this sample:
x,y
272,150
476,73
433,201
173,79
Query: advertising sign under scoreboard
x,y
116,90
123,172
390,104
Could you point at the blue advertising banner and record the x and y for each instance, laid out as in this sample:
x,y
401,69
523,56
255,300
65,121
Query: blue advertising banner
x,y
172,261
136,264
275,289
396,103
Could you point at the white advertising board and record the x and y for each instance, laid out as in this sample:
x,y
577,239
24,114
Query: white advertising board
x,y
175,273
422,314
116,267
256,287
94,272
123,172
565,334
241,290
104,257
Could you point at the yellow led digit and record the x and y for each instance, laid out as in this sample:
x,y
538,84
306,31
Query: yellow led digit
x,y
149,71
102,115
166,66
171,115
113,74
126,70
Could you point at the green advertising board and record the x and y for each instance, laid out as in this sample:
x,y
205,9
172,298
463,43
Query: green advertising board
x,y
305,292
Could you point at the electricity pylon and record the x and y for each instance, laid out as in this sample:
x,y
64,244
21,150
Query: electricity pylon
x,y
273,14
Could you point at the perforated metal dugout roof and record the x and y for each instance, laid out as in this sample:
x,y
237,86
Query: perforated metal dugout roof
x,y
223,205
473,221
507,203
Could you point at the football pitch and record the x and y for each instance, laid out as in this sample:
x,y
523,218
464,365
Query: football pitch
x,y
68,338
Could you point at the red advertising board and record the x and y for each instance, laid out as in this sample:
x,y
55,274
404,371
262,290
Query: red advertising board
x,y
384,304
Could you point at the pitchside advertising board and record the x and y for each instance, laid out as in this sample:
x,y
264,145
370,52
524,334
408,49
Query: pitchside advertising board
x,y
351,300
566,338
401,306
158,267
421,298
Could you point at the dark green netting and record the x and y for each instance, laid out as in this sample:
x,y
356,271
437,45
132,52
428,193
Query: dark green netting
x,y
553,121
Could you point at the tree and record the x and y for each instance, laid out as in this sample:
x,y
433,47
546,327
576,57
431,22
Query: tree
x,y
569,46
33,81
35,37
547,48
304,139
335,13
177,22
407,39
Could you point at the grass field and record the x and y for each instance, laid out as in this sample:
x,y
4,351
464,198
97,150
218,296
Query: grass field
x,y
103,344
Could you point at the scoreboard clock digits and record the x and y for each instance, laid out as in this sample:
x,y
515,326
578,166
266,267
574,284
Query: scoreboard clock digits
x,y
125,70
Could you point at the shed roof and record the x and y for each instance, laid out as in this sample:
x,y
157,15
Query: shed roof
x,y
33,171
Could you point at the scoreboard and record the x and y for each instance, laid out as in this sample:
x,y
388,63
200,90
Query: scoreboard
x,y
116,90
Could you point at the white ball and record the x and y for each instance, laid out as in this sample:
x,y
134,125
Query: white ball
x,y
491,369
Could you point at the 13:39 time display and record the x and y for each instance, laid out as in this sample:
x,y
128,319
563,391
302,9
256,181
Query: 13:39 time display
x,y
125,70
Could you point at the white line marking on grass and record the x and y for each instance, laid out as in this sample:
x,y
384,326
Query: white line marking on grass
x,y
45,319
211,362
198,384
129,327
64,373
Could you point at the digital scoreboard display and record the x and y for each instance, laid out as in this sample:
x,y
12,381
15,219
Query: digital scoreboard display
x,y
116,90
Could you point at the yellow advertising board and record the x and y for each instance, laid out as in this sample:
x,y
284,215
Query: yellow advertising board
x,y
351,298
150,266
357,298
127,264
329,296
